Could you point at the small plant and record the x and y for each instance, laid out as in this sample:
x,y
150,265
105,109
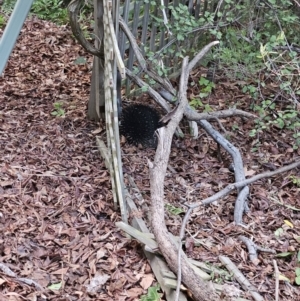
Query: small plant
x,y
55,286
295,180
50,10
174,210
58,110
206,88
271,116
8,6
235,127
251,89
152,294
2,21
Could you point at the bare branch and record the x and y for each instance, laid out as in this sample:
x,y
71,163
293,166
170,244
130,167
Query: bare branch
x,y
165,83
229,188
241,278
73,9
191,114
201,54
198,288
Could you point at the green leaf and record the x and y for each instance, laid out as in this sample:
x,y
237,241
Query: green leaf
x,y
203,81
284,254
207,108
280,123
80,61
279,232
174,210
55,286
252,133
202,95
152,294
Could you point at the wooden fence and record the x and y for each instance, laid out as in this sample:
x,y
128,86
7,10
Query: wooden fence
x,y
142,17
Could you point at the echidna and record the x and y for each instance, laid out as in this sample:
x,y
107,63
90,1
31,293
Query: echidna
x,y
138,124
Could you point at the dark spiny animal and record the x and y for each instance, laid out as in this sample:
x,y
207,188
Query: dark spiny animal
x,y
138,124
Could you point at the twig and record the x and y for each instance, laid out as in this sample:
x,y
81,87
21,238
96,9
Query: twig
x,y
243,281
191,114
276,280
252,248
228,189
161,101
224,192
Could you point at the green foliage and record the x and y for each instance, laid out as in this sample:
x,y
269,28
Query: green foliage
x,y
152,294
174,210
8,5
239,28
239,50
2,21
180,28
50,10
272,117
80,61
250,89
206,88
285,254
235,127
295,180
58,110
182,22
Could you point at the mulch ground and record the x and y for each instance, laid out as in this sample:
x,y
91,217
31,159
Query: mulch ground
x,y
56,211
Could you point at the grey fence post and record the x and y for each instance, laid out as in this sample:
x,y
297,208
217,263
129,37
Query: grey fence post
x,y
12,30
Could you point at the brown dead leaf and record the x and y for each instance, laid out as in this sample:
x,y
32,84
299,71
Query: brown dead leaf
x,y
61,271
146,281
249,172
134,292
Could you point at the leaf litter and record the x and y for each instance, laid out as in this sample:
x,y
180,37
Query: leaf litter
x,y
57,217
56,209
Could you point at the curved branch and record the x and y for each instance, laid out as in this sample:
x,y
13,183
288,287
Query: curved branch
x,y
73,10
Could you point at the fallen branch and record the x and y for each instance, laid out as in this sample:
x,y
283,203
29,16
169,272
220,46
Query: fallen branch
x,y
229,188
199,288
243,281
253,248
